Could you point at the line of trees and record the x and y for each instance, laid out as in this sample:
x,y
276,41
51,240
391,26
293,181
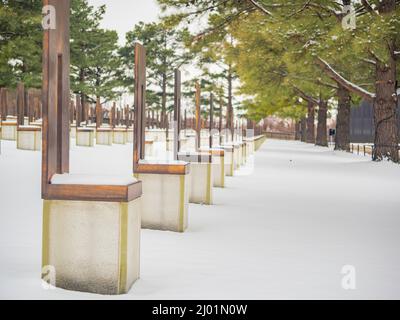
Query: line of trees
x,y
100,68
295,59
95,66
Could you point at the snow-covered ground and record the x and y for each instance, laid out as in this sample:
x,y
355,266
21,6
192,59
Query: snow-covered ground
x,y
283,231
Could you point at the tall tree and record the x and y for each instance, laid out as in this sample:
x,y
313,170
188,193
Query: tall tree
x,y
377,41
85,46
104,71
165,53
20,43
376,37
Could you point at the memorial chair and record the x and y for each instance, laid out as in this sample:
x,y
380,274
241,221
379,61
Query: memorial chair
x,y
202,180
165,182
29,137
104,133
91,224
8,124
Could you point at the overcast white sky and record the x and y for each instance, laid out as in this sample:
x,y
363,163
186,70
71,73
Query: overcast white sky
x,y
122,15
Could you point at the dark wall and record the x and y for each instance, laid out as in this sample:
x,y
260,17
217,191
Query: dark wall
x,y
362,123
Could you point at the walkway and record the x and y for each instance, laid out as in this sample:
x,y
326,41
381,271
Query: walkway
x,y
281,230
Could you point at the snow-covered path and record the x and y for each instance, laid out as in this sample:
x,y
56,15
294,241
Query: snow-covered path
x,y
282,231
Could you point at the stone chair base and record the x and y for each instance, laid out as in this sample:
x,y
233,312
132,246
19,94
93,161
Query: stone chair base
x,y
218,163
236,155
170,144
244,153
85,137
183,144
250,146
104,137
72,132
201,185
201,177
9,131
29,138
91,233
149,149
129,138
190,143
229,160
165,199
92,246
158,135
120,136
204,141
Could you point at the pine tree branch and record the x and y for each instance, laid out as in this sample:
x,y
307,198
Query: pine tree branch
x,y
368,7
304,7
305,96
226,22
373,55
328,85
369,61
207,9
260,7
331,73
332,11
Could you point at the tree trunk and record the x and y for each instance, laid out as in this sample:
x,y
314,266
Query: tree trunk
x,y
112,115
303,129
71,110
164,101
82,116
385,102
229,120
310,123
99,113
221,107
385,114
78,111
20,104
297,130
3,104
322,138
297,133
164,115
342,139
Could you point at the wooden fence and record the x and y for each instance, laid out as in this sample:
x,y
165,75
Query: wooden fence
x,y
280,135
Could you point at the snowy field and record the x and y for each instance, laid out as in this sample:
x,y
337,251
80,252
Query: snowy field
x,y
283,231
